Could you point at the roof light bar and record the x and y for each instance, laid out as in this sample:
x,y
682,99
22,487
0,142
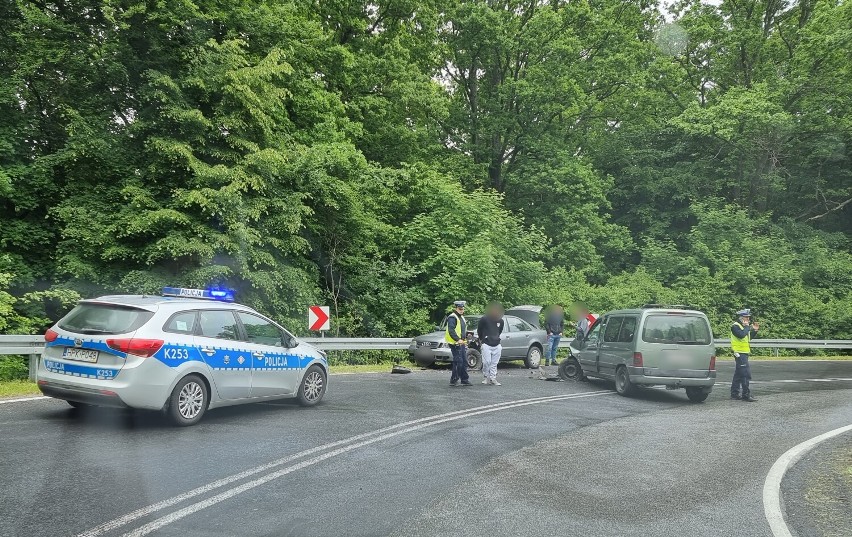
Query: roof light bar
x,y
223,295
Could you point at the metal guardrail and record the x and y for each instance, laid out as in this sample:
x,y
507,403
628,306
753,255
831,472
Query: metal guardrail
x,y
33,346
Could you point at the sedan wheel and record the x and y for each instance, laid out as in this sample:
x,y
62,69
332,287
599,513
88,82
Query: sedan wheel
x,y
533,359
474,360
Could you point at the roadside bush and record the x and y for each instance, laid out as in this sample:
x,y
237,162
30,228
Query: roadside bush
x,y
14,368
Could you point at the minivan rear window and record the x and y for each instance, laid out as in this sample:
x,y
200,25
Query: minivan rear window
x,y
104,319
676,329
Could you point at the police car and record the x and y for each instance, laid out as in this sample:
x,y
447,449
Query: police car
x,y
182,353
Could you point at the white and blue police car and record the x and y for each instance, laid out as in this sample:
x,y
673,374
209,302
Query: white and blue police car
x,y
183,352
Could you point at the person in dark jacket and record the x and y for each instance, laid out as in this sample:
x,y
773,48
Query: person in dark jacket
x,y
554,325
741,333
456,338
489,329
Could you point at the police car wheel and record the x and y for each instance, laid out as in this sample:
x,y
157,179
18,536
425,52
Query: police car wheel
x,y
313,386
188,401
622,382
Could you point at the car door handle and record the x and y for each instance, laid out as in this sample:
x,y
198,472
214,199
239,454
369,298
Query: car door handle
x,y
257,354
208,351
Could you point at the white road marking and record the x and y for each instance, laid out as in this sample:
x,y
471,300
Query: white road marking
x,y
772,486
153,508
23,399
198,506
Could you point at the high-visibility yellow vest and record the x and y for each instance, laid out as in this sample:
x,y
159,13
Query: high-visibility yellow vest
x,y
458,330
741,344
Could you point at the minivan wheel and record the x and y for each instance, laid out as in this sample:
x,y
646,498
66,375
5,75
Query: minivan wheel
x,y
313,386
188,401
570,369
622,382
474,360
533,359
696,394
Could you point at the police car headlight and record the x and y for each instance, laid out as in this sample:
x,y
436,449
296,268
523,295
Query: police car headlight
x,y
323,354
442,344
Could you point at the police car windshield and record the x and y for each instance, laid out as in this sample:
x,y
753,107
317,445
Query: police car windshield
x,y
104,319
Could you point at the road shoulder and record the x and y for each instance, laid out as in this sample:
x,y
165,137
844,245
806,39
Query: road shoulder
x,y
817,490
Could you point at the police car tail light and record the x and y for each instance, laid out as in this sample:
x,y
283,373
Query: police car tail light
x,y
50,335
136,346
713,363
637,359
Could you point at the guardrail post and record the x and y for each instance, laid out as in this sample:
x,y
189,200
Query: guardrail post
x,y
34,367
775,352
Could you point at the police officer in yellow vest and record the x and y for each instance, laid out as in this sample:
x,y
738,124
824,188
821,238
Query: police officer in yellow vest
x,y
456,338
741,333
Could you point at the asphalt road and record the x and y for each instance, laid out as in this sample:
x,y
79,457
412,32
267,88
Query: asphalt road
x,y
407,455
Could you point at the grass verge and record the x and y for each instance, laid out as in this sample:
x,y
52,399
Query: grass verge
x,y
368,368
18,388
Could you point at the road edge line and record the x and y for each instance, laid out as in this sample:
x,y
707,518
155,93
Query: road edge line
x,y
174,516
23,399
772,508
227,480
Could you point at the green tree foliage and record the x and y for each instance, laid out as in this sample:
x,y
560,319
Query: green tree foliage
x,y
389,157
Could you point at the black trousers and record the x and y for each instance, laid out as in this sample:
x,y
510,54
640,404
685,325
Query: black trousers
x,y
742,376
459,363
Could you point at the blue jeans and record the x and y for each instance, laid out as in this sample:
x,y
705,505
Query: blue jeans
x,y
553,340
459,363
742,376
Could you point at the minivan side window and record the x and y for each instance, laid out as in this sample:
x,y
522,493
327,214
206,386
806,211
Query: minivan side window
x,y
613,326
628,330
219,324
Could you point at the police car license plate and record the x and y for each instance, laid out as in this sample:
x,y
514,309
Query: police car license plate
x,y
80,355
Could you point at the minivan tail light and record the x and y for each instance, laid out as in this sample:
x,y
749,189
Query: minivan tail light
x,y
136,346
637,359
713,363
50,336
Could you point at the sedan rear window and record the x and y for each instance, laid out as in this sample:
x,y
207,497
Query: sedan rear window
x,y
104,319
676,329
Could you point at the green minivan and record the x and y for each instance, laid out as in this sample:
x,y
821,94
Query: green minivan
x,y
655,345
